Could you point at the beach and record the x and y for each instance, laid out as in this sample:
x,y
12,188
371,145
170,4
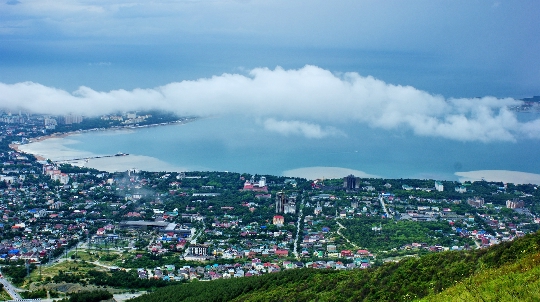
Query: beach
x,y
20,148
504,176
57,148
227,144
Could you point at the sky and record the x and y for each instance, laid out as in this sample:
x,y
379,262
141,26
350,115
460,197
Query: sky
x,y
439,68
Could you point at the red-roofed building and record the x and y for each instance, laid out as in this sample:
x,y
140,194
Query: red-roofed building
x,y
282,253
362,252
278,220
346,253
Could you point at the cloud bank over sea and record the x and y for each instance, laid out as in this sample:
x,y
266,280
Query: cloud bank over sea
x,y
294,102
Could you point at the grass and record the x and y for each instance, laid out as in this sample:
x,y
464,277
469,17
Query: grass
x,y
66,266
4,296
519,281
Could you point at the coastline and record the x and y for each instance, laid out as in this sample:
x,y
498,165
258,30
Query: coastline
x,y
60,135
505,176
61,149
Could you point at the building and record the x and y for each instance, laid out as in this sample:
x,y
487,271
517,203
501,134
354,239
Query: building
x,y
318,209
439,186
198,250
351,183
476,202
461,189
285,204
50,123
260,186
278,220
72,119
515,204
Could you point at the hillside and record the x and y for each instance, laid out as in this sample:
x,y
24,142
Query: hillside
x,y
510,268
518,281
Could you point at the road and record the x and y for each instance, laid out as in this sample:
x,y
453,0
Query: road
x,y
62,256
381,199
346,239
10,289
295,248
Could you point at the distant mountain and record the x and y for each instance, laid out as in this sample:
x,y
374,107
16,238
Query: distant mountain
x,y
506,272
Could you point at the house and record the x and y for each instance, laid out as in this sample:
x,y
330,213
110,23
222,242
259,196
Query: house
x,y
278,220
346,253
362,252
282,253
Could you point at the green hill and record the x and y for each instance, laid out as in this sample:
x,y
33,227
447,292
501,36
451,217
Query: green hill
x,y
519,281
508,271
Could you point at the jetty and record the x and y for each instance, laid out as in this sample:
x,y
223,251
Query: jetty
x,y
88,158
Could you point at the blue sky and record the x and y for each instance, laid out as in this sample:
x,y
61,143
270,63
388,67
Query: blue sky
x,y
445,49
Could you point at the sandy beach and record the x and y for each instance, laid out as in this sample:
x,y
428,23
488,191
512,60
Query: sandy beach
x,y
17,147
504,176
56,147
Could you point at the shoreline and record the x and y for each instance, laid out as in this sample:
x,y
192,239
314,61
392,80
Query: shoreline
x,y
41,157
504,176
60,151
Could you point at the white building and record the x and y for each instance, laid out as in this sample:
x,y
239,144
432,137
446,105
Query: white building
x,y
439,186
461,189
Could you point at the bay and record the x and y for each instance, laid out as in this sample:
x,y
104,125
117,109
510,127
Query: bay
x,y
242,144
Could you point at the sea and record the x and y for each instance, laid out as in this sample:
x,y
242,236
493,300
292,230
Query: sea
x,y
242,144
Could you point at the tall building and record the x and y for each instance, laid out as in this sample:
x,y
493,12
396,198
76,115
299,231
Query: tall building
x,y
515,204
72,119
262,182
50,123
439,186
285,204
351,183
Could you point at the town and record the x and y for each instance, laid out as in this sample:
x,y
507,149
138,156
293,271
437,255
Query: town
x,y
138,230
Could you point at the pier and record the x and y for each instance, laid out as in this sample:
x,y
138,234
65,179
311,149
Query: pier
x,y
65,161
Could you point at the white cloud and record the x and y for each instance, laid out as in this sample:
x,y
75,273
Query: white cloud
x,y
308,130
293,102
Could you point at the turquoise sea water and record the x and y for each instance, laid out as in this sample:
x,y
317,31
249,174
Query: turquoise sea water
x,y
241,144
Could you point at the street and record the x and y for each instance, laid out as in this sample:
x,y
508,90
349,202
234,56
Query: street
x,y
10,289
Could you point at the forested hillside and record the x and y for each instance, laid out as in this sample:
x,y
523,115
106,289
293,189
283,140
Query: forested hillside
x,y
453,273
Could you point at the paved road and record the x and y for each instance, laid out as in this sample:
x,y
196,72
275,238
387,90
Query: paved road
x,y
381,199
295,248
10,289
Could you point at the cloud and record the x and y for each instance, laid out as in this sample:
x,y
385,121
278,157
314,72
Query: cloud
x,y
308,130
100,64
295,101
13,2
